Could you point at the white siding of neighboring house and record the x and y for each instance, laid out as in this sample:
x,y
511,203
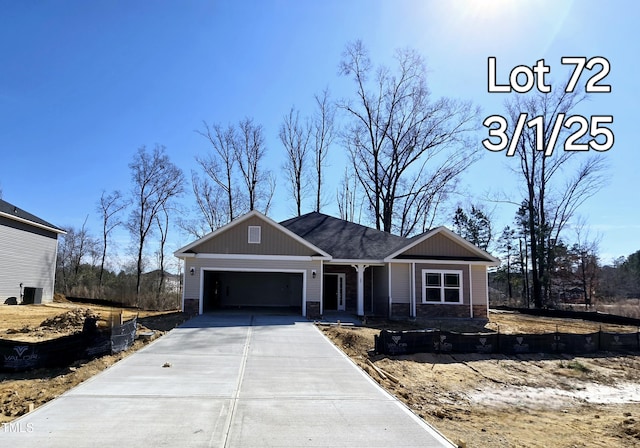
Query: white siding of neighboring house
x,y
27,258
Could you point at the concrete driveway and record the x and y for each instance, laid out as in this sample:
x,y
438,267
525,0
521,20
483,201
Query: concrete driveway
x,y
235,380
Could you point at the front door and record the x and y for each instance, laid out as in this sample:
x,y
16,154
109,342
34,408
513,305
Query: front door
x,y
334,292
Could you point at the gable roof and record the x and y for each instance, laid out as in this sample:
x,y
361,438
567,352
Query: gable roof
x,y
343,239
478,254
14,213
188,249
339,240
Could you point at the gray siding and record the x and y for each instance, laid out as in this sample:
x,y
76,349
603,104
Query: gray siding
x,y
439,245
27,257
235,241
441,266
479,285
400,283
192,283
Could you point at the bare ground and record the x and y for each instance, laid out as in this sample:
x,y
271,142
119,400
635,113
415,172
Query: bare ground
x,y
22,390
475,400
512,401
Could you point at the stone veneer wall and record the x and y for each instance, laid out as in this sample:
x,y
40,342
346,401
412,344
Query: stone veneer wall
x,y
428,311
313,310
400,310
191,306
480,312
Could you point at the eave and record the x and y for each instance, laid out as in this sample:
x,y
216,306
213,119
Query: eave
x,y
33,224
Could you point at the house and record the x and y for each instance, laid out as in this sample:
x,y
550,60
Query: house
x,y
317,263
171,282
28,252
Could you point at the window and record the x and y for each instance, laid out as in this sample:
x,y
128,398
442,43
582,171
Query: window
x,y
440,286
254,234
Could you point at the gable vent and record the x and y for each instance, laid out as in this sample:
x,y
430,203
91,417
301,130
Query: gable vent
x,y
254,234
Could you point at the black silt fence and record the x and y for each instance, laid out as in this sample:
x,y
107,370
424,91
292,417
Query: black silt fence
x,y
435,341
16,356
577,343
122,336
620,341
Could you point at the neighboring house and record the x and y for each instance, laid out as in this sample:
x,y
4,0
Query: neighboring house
x,y
318,263
171,283
28,252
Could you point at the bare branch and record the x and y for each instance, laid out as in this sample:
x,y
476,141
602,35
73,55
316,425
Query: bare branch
x,y
295,139
396,131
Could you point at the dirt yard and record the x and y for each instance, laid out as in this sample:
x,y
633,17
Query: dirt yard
x,y
22,390
520,401
474,400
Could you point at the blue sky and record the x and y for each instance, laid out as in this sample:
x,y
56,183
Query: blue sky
x,y
84,84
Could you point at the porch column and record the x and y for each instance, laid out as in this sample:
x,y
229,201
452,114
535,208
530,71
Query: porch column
x,y
360,270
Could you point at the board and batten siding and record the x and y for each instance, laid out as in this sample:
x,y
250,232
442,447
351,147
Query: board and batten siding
x,y
26,256
192,282
439,245
235,240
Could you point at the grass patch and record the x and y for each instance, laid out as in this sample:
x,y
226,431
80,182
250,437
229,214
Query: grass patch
x,y
575,365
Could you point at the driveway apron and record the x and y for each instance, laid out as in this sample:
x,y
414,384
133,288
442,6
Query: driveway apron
x,y
228,380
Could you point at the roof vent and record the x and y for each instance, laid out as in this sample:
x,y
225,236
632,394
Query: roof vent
x,y
254,234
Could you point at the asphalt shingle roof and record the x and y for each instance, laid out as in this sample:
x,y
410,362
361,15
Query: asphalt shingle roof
x,y
344,239
12,210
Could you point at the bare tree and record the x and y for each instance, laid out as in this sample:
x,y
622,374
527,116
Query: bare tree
x,y
218,199
507,247
210,204
76,246
555,185
521,223
404,147
110,206
162,221
323,132
294,136
349,204
249,151
586,251
219,166
420,209
156,180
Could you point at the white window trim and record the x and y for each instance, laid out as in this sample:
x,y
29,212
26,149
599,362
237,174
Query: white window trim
x,y
442,287
253,231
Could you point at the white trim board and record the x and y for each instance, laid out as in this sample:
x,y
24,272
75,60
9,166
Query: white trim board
x,y
33,224
256,257
440,261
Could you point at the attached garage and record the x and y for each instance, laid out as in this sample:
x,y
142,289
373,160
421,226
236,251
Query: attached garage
x,y
228,289
252,262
